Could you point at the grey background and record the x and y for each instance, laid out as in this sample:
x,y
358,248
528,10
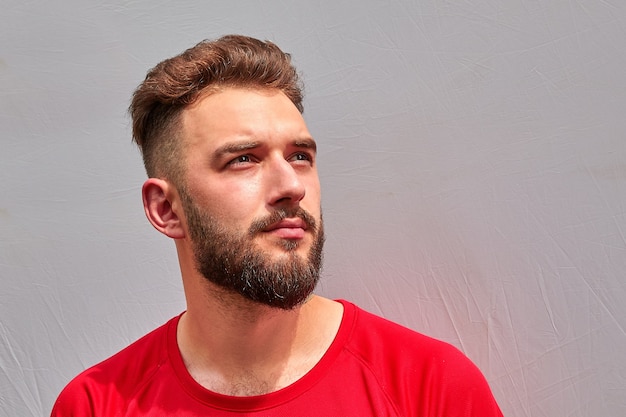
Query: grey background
x,y
472,161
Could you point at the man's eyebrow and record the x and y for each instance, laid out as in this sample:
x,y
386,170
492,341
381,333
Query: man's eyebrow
x,y
307,143
235,147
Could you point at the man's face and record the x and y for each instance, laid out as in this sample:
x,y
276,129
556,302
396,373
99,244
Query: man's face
x,y
251,195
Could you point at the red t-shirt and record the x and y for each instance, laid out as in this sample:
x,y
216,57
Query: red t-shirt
x,y
373,368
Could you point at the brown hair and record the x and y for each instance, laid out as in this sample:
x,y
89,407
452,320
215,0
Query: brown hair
x,y
173,84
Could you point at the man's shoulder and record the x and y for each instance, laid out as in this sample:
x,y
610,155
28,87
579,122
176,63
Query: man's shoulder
x,y
117,376
386,345
407,364
371,331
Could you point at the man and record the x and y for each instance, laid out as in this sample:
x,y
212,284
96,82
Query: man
x,y
233,180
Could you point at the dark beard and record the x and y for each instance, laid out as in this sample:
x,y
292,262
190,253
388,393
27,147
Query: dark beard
x,y
234,263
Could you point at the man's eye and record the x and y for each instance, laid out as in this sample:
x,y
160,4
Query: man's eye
x,y
301,156
241,159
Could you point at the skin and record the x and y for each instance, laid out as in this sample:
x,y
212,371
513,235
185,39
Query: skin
x,y
247,153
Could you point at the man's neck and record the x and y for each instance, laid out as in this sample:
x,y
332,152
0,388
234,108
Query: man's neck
x,y
236,347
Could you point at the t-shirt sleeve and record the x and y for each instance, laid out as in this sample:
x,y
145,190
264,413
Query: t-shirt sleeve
x,y
465,392
74,401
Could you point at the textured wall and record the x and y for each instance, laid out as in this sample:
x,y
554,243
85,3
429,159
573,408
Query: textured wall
x,y
472,158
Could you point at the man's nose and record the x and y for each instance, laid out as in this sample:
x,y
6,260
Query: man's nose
x,y
285,184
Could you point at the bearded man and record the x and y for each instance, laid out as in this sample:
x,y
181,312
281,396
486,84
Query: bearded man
x,y
233,181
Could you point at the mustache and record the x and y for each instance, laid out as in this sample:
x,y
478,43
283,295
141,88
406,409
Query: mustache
x,y
259,225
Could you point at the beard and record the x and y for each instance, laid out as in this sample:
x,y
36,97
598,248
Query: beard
x,y
233,261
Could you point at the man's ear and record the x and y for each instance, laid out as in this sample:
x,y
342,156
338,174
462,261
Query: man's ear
x,y
161,204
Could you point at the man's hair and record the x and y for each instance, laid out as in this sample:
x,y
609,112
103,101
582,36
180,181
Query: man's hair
x,y
172,85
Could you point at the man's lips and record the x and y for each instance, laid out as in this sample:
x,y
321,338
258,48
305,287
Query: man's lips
x,y
292,228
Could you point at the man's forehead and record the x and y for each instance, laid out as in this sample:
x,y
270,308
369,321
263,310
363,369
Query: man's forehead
x,y
244,115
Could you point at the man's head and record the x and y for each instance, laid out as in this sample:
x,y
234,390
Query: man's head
x,y
235,165
172,85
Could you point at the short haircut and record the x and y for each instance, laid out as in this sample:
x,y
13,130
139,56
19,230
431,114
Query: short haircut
x,y
172,85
